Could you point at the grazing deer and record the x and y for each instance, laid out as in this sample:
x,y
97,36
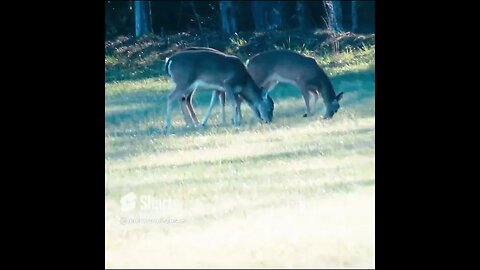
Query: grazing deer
x,y
193,69
273,67
270,68
186,103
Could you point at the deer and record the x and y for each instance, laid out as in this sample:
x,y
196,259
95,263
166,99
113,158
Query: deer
x,y
190,70
270,68
186,102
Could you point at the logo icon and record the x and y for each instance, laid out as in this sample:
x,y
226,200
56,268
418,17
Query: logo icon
x,y
128,202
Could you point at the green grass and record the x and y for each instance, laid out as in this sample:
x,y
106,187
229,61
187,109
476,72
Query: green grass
x,y
352,59
295,193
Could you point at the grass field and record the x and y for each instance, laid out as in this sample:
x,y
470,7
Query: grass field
x,y
299,192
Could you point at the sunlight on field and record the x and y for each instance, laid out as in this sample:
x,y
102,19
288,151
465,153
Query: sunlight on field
x,y
333,231
299,192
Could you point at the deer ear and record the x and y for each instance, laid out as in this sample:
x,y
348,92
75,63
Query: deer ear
x,y
339,96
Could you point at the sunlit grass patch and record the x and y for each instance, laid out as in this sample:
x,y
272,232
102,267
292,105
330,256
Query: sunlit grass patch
x,y
298,192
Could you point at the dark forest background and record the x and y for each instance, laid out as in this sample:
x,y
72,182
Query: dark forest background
x,y
140,35
169,17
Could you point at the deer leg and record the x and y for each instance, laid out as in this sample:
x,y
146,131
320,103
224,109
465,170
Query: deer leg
x,y
192,114
306,97
235,109
316,96
175,94
238,100
186,114
222,102
209,110
221,97
187,110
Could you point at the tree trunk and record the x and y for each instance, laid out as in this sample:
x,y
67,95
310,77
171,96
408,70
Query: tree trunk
x,y
301,15
143,21
354,16
275,18
197,17
337,9
267,15
334,15
229,21
258,15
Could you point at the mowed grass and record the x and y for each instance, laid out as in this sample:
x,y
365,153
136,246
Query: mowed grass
x,y
299,192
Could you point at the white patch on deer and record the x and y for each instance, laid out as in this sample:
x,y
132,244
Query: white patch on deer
x,y
280,79
204,85
168,66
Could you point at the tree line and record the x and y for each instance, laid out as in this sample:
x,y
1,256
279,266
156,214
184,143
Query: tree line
x,y
165,17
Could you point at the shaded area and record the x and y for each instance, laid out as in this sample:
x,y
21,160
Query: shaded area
x,y
280,155
140,143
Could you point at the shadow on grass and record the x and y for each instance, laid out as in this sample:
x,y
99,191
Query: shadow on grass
x,y
138,97
282,155
138,141
132,116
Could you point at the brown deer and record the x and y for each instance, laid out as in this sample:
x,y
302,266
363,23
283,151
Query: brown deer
x,y
195,69
186,103
270,68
